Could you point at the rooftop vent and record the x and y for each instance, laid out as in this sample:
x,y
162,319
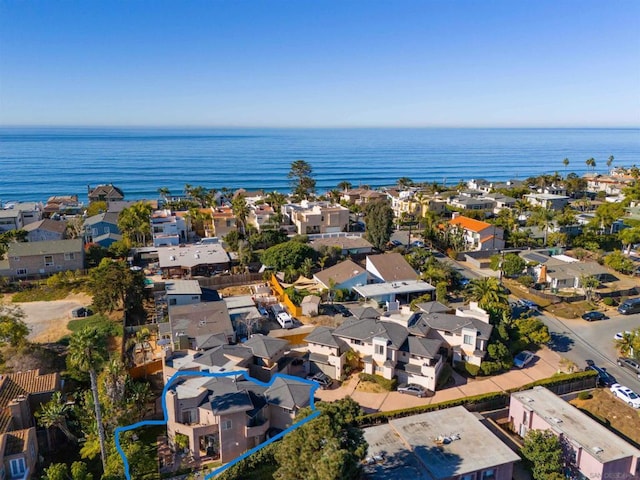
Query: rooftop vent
x,y
556,420
597,450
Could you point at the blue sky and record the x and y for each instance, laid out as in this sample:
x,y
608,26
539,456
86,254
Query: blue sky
x,y
300,63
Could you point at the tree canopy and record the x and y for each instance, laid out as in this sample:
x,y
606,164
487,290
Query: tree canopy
x,y
302,183
287,255
379,221
114,285
329,447
543,451
13,330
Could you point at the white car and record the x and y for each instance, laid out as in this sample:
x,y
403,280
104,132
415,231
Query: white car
x,y
619,335
626,395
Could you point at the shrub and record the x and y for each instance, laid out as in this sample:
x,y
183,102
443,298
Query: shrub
x,y
584,395
608,301
385,383
466,368
526,280
445,375
489,368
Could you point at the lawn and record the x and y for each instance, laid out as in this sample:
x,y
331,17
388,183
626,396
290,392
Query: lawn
x,y
612,413
100,322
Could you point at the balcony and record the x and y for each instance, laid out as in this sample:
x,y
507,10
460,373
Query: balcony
x,y
257,428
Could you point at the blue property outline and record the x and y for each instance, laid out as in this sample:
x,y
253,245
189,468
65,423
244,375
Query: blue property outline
x,y
190,373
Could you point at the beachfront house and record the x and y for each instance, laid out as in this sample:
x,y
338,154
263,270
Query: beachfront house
x,y
167,228
225,416
44,258
187,261
478,235
447,444
104,193
592,449
16,215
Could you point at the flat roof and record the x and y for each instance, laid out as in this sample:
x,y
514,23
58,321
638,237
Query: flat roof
x,y
471,446
183,287
575,425
402,287
192,255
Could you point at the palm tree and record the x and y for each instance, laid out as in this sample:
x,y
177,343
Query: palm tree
x,y
543,218
488,292
276,200
54,413
610,161
87,352
565,162
344,186
626,343
404,182
164,192
241,211
591,162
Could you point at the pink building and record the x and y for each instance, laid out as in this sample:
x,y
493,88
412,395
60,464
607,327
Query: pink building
x,y
597,452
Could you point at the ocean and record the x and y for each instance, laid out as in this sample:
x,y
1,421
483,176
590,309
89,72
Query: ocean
x,y
36,163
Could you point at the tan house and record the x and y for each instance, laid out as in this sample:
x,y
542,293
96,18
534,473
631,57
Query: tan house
x,y
224,221
46,229
260,215
46,257
317,217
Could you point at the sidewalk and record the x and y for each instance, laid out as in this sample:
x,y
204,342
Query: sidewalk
x,y
546,364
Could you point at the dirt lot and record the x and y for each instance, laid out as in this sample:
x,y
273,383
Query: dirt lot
x,y
613,413
48,320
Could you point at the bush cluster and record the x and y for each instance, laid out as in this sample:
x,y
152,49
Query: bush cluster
x,y
466,368
389,385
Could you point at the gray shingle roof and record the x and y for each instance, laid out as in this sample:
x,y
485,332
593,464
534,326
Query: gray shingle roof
x,y
288,393
48,247
339,273
265,347
366,329
423,347
433,307
449,323
324,336
392,267
364,312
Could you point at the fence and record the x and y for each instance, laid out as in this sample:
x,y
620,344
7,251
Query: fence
x,y
284,298
234,280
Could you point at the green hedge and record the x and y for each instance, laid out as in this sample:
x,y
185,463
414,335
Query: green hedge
x,y
466,368
389,385
494,399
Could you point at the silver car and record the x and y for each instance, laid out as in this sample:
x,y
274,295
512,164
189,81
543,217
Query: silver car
x,y
413,389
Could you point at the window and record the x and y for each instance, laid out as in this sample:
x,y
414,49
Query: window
x,y
21,271
470,476
172,301
32,450
489,474
468,340
226,425
48,260
106,230
17,467
94,232
187,417
379,349
378,369
356,342
195,297
69,256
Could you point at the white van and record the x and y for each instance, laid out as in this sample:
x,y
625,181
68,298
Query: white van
x,y
285,320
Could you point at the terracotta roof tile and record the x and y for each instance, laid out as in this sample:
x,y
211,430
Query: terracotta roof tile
x,y
469,223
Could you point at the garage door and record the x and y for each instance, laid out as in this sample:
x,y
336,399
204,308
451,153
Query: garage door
x,y
315,367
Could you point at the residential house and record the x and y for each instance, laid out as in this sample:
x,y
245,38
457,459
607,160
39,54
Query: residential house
x,y
182,292
362,196
548,201
403,202
224,221
61,206
116,206
104,193
447,444
385,347
167,229
196,326
18,454
98,228
500,201
261,215
223,417
471,203
478,235
46,257
389,267
343,275
46,229
348,244
260,356
21,394
464,334
317,217
16,215
186,261
561,271
594,450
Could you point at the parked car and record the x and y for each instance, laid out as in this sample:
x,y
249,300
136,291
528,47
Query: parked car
x,y
522,359
605,379
342,310
81,312
413,389
417,244
620,335
625,394
630,306
395,243
528,304
630,363
594,315
322,379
